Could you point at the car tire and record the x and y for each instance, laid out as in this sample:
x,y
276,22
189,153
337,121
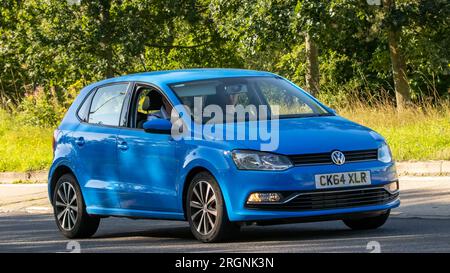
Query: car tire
x,y
69,209
206,210
368,222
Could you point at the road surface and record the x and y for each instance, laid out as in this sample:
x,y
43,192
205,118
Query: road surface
x,y
421,224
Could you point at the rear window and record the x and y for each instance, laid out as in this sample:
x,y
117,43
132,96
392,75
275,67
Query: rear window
x,y
106,105
83,111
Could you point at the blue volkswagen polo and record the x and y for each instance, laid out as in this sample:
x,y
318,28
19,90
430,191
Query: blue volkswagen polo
x,y
219,148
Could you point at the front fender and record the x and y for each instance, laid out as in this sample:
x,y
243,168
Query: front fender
x,y
214,160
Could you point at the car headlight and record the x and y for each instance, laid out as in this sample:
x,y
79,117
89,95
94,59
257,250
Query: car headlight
x,y
384,153
253,160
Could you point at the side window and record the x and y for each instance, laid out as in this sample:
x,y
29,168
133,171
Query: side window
x,y
148,103
107,104
141,113
83,111
140,101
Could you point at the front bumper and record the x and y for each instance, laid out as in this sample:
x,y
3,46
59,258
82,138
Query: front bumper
x,y
238,185
329,199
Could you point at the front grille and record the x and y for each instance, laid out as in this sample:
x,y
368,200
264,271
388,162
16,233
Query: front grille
x,y
320,200
325,158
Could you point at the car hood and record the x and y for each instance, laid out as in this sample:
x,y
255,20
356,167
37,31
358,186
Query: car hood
x,y
307,135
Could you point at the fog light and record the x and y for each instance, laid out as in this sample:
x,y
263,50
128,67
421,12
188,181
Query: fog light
x,y
260,197
392,187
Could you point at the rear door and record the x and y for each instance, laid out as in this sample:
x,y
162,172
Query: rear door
x,y
95,140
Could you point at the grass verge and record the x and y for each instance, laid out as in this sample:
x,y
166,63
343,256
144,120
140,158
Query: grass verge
x,y
415,134
24,148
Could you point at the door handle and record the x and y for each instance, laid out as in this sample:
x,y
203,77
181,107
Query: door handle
x,y
122,145
79,141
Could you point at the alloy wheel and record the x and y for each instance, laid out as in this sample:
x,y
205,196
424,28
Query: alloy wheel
x,y
203,205
66,206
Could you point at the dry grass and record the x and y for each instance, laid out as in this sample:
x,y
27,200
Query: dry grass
x,y
420,133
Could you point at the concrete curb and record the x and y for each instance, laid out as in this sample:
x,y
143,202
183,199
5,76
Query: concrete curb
x,y
414,168
34,176
423,168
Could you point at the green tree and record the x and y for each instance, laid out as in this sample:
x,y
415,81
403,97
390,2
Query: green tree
x,y
53,44
346,48
394,31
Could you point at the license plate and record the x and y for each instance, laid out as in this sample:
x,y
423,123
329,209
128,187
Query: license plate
x,y
339,180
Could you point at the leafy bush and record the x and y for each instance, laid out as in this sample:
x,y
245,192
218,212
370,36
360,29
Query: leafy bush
x,y
45,109
39,109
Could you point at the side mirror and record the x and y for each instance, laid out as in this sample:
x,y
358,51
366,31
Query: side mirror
x,y
158,126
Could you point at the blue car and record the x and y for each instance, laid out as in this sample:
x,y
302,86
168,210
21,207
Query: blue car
x,y
219,148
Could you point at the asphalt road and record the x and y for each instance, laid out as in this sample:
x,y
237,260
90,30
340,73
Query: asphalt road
x,y
38,233
421,224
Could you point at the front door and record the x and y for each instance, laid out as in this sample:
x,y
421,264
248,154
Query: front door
x,y
148,163
148,170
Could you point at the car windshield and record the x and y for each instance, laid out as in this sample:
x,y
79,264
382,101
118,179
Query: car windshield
x,y
245,98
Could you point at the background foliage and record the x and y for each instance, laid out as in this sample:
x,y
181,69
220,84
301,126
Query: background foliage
x,y
48,46
50,49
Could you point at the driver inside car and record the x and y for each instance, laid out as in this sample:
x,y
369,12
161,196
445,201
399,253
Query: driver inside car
x,y
156,106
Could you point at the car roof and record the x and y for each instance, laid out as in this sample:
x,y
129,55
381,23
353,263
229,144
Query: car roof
x,y
168,77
